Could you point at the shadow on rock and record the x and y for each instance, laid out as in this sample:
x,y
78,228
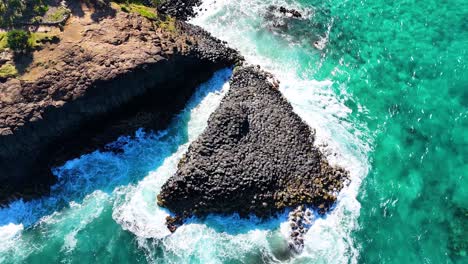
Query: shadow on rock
x,y
22,61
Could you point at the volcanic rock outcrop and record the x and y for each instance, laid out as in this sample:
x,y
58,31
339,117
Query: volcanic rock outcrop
x,y
105,78
255,157
181,9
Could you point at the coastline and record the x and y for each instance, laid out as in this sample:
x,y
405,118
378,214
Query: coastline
x,y
118,74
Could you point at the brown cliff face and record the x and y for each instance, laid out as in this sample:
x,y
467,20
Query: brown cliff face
x,y
103,79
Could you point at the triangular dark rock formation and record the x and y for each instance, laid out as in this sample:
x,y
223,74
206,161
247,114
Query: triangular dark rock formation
x,y
256,156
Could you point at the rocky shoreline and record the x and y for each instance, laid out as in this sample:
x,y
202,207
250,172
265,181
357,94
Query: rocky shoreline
x,y
112,75
104,79
255,157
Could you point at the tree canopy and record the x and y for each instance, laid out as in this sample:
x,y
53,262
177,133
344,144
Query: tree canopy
x,y
17,40
13,11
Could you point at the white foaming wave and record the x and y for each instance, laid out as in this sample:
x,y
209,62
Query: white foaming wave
x,y
105,170
327,116
9,236
76,178
217,239
209,245
77,199
65,224
71,221
343,142
60,226
214,241
138,212
9,231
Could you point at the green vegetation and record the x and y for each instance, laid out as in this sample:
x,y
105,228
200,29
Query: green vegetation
x,y
144,11
168,24
8,70
137,6
37,39
3,41
140,7
56,14
18,40
15,11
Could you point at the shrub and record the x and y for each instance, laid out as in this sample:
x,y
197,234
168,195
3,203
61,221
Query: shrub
x,y
3,41
17,40
56,14
7,71
40,9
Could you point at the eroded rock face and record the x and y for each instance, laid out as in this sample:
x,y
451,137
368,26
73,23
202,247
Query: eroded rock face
x,y
92,87
256,156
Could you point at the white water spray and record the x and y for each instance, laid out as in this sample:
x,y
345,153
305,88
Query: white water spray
x,y
240,24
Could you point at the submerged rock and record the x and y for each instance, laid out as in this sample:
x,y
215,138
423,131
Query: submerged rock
x,y
255,157
300,27
300,220
284,11
280,17
290,12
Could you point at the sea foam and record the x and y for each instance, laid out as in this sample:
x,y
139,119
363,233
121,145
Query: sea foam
x,y
92,183
138,212
343,141
129,182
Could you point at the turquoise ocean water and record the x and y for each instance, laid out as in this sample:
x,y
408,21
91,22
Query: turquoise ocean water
x,y
385,84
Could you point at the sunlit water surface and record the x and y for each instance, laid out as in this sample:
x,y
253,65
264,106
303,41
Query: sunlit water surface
x,y
383,84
